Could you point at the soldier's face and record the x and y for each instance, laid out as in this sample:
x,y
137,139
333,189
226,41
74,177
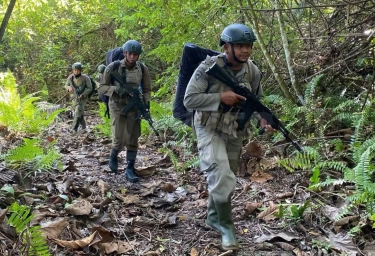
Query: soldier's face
x,y
76,71
241,51
131,57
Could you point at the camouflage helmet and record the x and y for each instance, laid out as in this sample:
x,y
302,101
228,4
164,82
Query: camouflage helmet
x,y
77,65
101,68
237,34
132,46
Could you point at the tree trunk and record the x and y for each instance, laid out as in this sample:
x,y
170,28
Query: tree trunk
x,y
288,58
4,23
254,21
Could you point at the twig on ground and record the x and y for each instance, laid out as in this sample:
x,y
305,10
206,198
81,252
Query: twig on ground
x,y
127,239
226,253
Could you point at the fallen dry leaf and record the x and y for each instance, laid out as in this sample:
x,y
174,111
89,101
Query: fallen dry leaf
x,y
145,171
260,177
369,249
119,247
38,216
298,252
343,242
103,187
81,207
194,252
152,253
284,235
128,199
253,149
251,207
346,220
199,203
269,163
283,195
77,243
54,229
268,213
106,235
168,187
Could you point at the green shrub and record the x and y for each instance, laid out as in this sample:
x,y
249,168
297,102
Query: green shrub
x,y
21,114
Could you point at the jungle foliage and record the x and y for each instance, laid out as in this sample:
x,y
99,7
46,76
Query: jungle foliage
x,y
317,59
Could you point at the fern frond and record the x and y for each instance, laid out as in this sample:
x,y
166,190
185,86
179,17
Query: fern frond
x,y
345,105
344,212
327,182
310,89
304,161
32,241
32,158
191,163
333,165
360,123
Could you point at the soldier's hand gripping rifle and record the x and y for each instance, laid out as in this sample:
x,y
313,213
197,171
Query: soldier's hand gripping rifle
x,y
251,105
137,100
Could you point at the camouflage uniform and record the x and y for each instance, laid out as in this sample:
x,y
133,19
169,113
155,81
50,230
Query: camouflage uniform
x,y
126,129
219,140
81,84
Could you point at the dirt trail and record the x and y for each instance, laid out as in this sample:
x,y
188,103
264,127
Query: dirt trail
x,y
164,213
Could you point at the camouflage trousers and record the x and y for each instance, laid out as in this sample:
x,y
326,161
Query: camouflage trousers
x,y
126,129
219,157
79,109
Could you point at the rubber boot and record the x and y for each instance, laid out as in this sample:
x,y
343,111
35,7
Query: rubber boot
x,y
77,121
212,218
130,174
228,238
83,124
113,161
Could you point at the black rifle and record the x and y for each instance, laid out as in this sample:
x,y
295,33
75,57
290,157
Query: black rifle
x,y
137,100
251,105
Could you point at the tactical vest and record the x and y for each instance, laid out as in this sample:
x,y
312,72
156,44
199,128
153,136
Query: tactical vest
x,y
79,83
133,78
217,120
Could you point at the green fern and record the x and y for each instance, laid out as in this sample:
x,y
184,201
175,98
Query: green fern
x,y
304,161
32,242
360,123
344,212
310,89
328,182
21,114
32,158
177,165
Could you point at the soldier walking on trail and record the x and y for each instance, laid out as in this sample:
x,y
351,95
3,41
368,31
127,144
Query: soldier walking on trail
x,y
126,129
99,76
219,140
80,86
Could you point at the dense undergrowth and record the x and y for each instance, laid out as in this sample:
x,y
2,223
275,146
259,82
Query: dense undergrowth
x,y
351,155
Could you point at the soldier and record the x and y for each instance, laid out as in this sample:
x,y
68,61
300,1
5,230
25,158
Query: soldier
x,y
219,140
126,129
80,86
99,76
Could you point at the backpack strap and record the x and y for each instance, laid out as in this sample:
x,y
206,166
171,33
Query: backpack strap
x,y
71,81
116,65
252,75
142,70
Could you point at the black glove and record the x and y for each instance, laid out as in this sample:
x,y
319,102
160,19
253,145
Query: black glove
x,y
120,90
